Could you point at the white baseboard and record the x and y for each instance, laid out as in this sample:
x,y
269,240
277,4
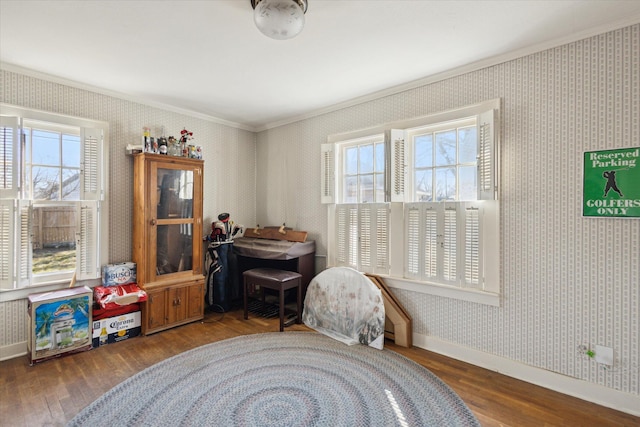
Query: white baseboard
x,y
584,390
13,350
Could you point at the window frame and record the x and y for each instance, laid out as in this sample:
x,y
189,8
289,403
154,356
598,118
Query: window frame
x,y
400,193
29,164
91,206
359,143
434,129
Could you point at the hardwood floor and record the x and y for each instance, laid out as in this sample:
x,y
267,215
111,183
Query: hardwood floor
x,y
52,392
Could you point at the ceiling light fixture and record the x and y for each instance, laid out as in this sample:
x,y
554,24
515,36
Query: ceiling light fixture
x,y
279,19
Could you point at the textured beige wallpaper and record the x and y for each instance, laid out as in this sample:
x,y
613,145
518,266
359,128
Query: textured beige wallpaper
x,y
566,280
229,172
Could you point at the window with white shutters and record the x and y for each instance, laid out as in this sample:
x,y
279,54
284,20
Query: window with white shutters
x,y
451,170
51,198
354,178
440,221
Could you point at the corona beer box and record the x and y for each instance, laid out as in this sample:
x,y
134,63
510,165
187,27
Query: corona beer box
x,y
59,323
116,328
119,274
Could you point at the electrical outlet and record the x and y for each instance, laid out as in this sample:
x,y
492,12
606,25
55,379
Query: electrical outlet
x,y
604,355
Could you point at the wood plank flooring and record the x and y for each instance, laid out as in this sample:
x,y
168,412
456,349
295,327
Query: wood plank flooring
x,y
52,392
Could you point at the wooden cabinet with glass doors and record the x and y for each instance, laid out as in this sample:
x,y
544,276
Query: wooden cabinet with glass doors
x,y
167,239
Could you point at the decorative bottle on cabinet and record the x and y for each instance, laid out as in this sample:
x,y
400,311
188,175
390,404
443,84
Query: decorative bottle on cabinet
x,y
167,239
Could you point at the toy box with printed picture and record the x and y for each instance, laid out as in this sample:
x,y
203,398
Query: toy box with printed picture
x,y
59,323
221,262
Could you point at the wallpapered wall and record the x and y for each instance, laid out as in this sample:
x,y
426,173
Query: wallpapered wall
x,y
566,280
229,168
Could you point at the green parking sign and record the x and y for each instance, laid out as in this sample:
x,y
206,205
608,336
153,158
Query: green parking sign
x,y
612,183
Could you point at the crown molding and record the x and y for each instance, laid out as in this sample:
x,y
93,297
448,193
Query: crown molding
x,y
464,69
471,67
127,97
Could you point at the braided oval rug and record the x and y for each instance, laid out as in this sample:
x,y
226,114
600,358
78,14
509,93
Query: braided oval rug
x,y
280,379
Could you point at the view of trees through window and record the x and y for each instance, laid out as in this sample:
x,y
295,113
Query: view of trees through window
x,y
52,176
53,209
364,172
445,165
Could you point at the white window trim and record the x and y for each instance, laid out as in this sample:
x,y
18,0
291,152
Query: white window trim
x,y
369,140
463,294
491,295
103,229
409,134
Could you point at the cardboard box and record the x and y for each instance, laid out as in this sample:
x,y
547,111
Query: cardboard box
x,y
117,328
59,323
119,274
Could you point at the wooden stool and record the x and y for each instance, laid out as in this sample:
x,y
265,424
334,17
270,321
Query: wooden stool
x,y
270,278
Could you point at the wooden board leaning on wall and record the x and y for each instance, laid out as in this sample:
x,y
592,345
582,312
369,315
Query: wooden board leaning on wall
x,y
397,321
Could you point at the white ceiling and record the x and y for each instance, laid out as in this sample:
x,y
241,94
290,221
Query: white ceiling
x,y
207,56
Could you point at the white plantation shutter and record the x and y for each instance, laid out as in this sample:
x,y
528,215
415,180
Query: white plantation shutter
x,y
373,226
341,233
9,157
87,260
362,240
413,231
24,260
91,170
443,243
398,164
347,235
381,240
487,156
424,242
352,233
472,272
450,244
328,173
15,247
7,243
365,230
431,245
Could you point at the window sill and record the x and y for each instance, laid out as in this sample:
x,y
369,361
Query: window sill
x,y
7,295
471,295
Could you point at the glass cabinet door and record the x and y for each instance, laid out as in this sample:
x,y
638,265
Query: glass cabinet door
x,y
174,219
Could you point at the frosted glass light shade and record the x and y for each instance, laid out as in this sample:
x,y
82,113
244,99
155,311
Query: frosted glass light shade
x,y
279,19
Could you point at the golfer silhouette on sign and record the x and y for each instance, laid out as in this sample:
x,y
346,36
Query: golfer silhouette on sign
x,y
611,183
